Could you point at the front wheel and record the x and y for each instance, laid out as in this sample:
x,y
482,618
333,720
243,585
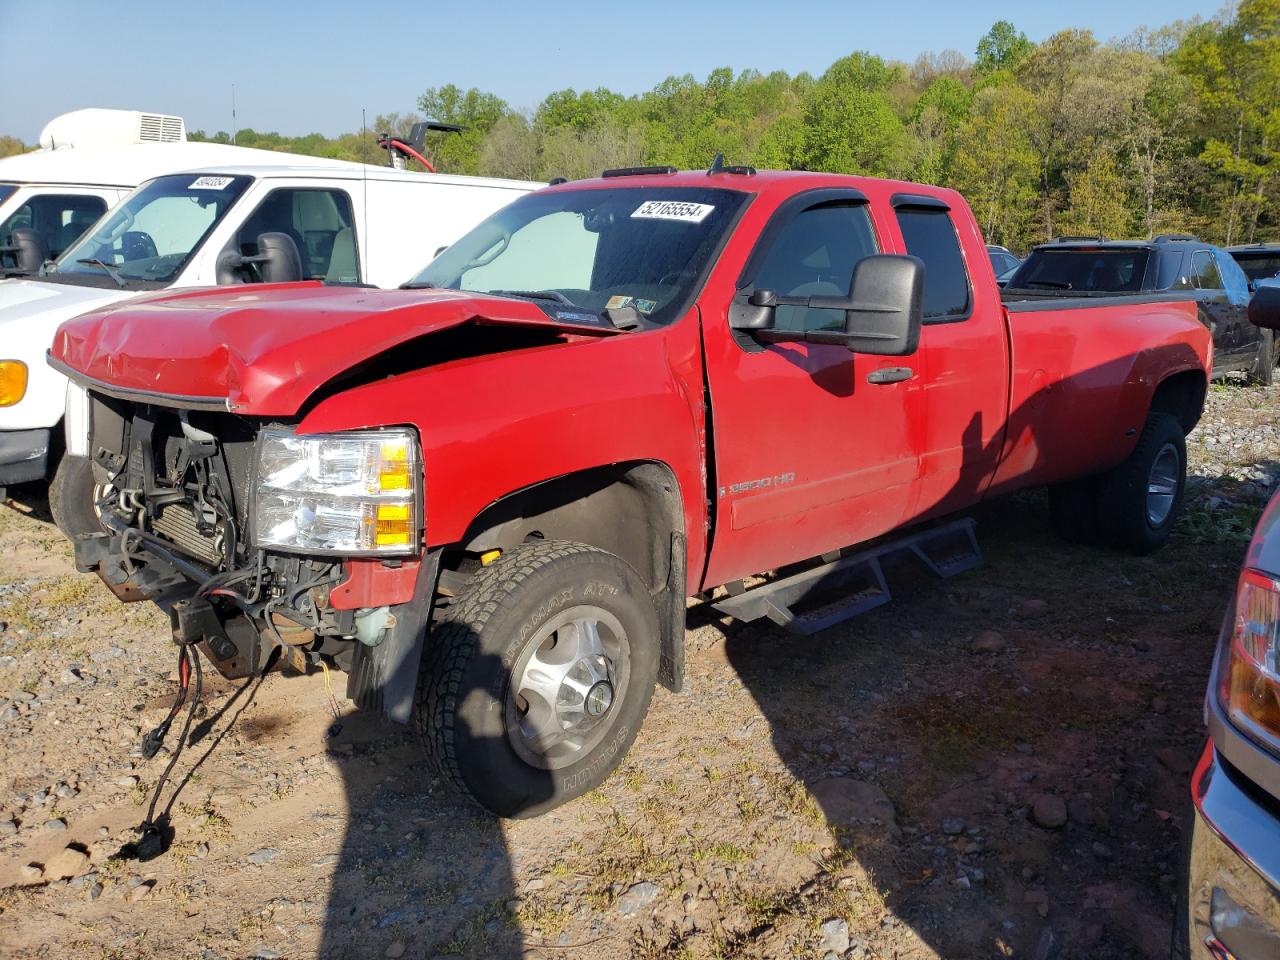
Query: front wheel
x,y
537,679
1139,500
73,496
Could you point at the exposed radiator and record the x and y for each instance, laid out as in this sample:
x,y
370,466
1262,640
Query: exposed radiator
x,y
177,523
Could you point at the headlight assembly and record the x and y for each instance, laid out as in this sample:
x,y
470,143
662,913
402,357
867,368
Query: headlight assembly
x,y
348,494
1250,683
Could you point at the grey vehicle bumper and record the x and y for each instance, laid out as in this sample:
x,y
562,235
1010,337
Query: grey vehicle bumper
x,y
1234,877
24,455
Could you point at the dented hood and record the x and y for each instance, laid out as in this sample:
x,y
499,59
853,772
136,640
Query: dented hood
x,y
264,350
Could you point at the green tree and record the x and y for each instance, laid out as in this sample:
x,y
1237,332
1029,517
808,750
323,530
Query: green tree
x,y
1002,48
475,110
997,166
850,125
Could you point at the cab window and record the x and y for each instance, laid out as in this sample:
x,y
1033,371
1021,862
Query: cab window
x,y
813,255
321,225
931,236
59,220
1204,271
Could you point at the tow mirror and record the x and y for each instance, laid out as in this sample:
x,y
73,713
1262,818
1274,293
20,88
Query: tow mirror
x,y
883,311
27,250
277,258
1264,308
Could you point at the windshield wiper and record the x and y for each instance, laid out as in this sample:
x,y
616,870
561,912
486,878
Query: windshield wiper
x,y
417,286
111,271
553,295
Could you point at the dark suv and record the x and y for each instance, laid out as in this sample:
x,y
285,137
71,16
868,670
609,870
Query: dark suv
x,y
1169,263
1259,261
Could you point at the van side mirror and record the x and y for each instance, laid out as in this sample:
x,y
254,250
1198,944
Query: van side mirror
x,y
26,251
1264,308
278,261
883,311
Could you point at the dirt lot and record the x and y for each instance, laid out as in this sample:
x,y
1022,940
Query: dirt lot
x,y
876,791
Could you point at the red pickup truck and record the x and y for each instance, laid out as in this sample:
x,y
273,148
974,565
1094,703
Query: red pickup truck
x,y
488,494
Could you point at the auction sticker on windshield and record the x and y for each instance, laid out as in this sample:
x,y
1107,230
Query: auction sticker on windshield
x,y
210,183
673,210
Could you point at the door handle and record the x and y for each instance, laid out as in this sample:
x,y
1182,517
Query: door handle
x,y
890,375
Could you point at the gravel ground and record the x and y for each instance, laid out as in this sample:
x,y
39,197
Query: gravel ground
x,y
990,766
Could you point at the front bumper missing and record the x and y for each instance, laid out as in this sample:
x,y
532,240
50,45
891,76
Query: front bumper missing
x,y
1234,878
24,455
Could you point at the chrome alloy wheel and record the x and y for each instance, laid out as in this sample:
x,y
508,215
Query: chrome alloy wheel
x,y
566,686
1162,484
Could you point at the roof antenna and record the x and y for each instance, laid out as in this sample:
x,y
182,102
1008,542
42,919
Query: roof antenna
x,y
233,114
717,165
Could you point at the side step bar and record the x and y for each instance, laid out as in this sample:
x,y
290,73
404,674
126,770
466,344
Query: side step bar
x,y
852,585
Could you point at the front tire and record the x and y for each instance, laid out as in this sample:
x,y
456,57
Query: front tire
x,y
538,677
71,498
1139,501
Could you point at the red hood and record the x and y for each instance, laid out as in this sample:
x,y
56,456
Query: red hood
x,y
263,350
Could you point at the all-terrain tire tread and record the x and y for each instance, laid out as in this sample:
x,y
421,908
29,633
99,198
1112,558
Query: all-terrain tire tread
x,y
451,645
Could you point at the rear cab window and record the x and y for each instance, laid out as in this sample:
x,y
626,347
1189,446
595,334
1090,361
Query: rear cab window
x,y
929,233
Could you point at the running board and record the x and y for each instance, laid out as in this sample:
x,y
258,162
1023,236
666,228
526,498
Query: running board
x,y
845,588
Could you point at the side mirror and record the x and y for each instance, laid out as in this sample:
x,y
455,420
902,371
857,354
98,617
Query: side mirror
x,y
883,312
1264,308
277,258
27,250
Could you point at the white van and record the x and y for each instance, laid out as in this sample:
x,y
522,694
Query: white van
x,y
217,225
86,162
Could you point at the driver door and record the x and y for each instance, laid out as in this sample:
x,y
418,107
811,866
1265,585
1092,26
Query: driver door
x,y
813,445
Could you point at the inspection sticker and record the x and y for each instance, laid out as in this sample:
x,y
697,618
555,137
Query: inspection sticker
x,y
617,302
210,183
673,210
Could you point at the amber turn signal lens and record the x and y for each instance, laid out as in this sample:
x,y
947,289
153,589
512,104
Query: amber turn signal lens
x,y
1251,682
394,525
13,382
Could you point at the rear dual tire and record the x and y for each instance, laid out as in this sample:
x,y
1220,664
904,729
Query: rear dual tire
x,y
1135,505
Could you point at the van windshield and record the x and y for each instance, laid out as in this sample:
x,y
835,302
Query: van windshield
x,y
151,235
578,253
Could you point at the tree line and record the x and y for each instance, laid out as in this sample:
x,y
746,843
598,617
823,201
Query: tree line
x,y
1169,129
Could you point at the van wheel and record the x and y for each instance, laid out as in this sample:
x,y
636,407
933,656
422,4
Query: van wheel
x,y
538,677
72,495
1139,500
1264,367
1073,508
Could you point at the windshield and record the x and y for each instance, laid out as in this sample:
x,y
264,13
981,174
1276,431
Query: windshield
x,y
1090,269
578,252
1259,266
151,234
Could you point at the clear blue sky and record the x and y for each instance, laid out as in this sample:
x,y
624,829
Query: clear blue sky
x,y
311,66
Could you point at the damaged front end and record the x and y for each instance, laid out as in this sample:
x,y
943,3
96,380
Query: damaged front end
x,y
269,549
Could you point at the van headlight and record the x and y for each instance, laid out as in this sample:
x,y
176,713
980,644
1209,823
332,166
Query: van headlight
x,y
339,493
